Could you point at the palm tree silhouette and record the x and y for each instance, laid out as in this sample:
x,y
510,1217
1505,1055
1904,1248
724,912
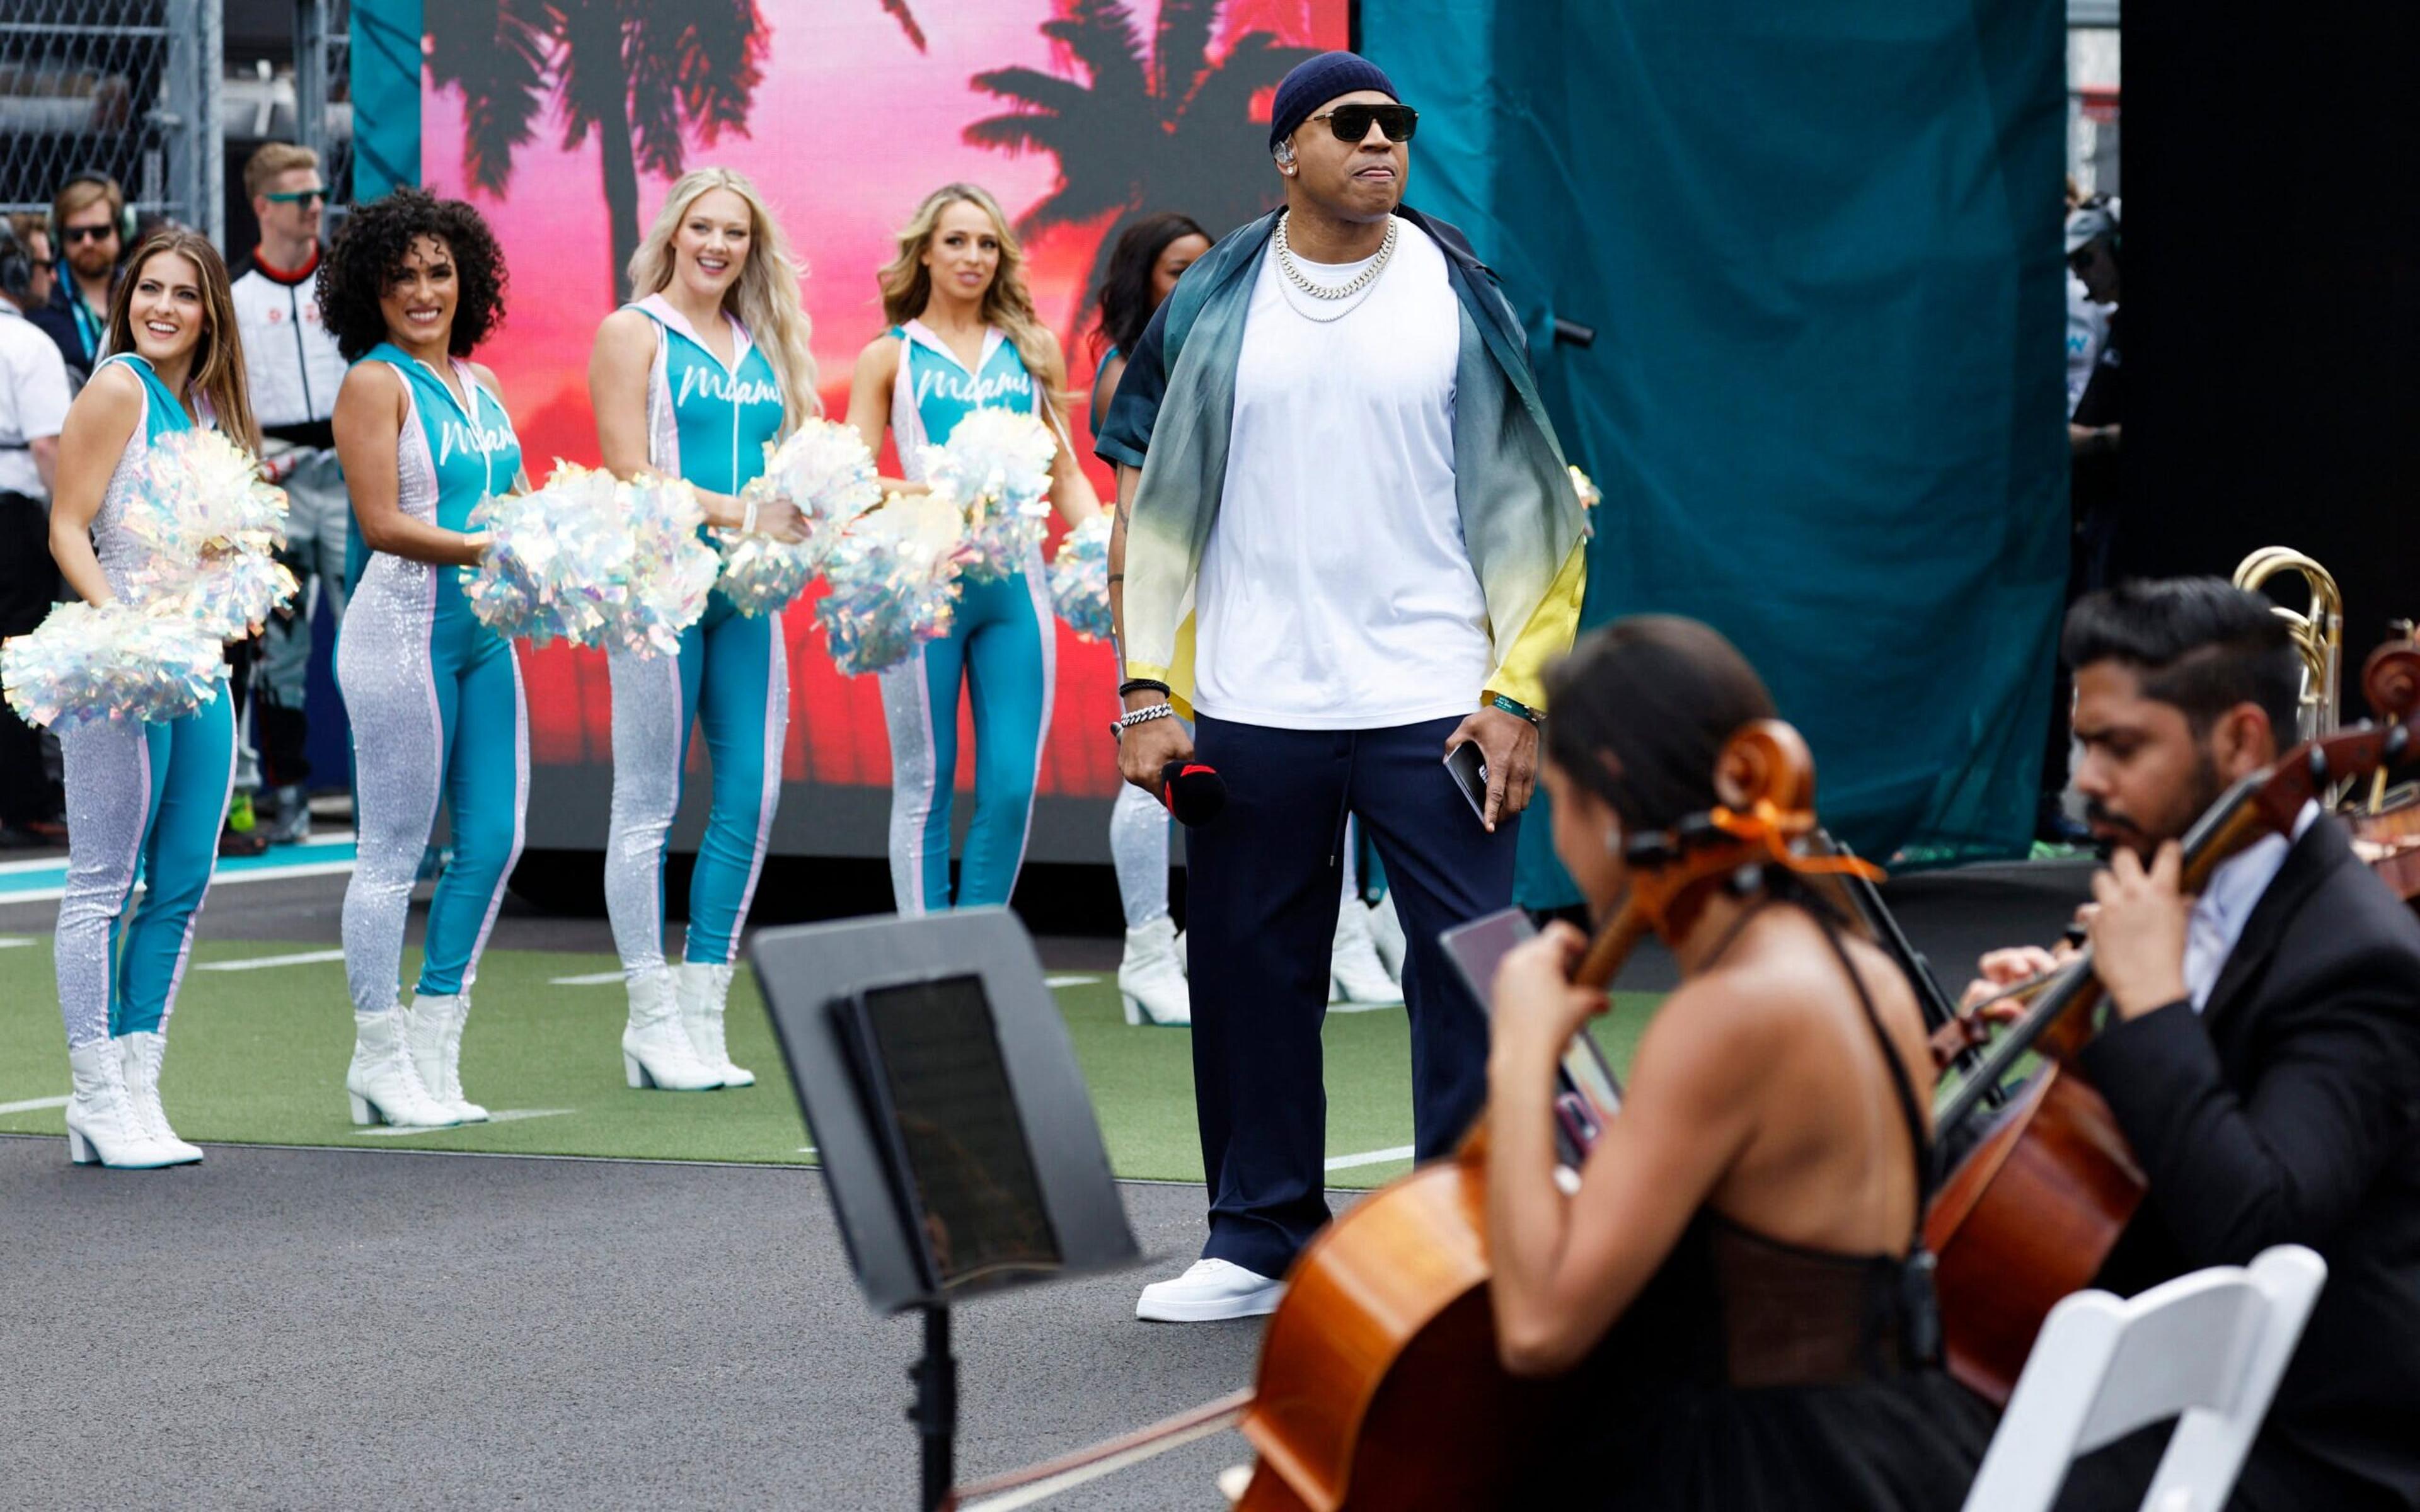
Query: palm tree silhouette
x,y
645,75
1166,129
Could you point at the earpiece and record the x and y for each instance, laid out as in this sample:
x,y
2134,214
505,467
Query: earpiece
x,y
16,267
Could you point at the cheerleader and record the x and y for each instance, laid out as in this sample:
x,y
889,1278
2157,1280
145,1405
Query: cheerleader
x,y
143,799
694,380
964,337
411,286
1150,257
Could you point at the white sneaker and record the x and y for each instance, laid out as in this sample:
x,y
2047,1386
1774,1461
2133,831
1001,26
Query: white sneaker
x,y
1356,977
655,1051
139,1056
434,1034
1386,934
381,1081
703,991
1211,1291
1149,979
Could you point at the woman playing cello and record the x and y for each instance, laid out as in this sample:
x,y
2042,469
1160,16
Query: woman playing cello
x,y
1735,1286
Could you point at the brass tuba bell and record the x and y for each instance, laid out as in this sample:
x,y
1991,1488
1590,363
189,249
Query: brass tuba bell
x,y
2318,631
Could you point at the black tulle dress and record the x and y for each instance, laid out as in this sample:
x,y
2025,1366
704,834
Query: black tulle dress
x,y
1754,1374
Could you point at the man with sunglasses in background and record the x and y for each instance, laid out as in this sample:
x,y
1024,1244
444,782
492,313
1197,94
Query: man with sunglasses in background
x,y
1345,535
88,215
295,370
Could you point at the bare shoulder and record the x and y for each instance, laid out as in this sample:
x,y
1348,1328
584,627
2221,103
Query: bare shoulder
x,y
113,389
488,380
879,360
626,332
1708,1039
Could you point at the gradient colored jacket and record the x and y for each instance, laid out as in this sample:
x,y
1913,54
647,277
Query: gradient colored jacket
x,y
1175,406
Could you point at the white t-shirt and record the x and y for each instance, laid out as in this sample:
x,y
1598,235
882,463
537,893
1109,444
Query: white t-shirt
x,y
33,399
1336,591
2087,329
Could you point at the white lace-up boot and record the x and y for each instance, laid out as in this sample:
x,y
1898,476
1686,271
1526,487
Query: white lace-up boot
x,y
1386,934
1150,981
434,1034
705,992
140,1056
1358,978
655,1051
103,1127
384,1084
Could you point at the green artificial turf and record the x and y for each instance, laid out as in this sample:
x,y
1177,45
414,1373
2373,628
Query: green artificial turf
x,y
258,1057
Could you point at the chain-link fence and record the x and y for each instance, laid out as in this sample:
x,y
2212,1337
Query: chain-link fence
x,y
124,87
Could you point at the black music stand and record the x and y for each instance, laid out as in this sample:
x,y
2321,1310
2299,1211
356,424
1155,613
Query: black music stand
x,y
956,1134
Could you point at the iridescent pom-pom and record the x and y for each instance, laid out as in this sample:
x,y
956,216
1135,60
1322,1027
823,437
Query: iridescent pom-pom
x,y
558,562
114,661
997,466
1590,497
1079,578
213,526
822,469
895,582
671,570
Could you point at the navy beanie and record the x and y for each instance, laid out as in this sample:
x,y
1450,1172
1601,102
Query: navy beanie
x,y
1316,81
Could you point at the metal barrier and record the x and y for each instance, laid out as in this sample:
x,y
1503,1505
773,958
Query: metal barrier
x,y
125,87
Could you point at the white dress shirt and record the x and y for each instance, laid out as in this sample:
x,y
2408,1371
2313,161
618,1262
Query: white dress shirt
x,y
2227,900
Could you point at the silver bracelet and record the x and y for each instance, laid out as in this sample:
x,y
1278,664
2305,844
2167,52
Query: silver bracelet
x,y
1143,715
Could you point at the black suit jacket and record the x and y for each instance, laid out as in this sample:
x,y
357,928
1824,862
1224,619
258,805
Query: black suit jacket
x,y
2288,1111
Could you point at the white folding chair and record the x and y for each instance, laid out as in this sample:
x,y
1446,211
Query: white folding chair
x,y
2209,1346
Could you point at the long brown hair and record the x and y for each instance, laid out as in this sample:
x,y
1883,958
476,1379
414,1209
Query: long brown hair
x,y
218,372
907,284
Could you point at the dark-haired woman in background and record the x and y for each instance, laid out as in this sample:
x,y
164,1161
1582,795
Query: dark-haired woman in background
x,y
1151,255
411,287
143,799
1736,1281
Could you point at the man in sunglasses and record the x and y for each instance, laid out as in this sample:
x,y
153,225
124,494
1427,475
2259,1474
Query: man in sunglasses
x,y
89,214
1347,538
295,370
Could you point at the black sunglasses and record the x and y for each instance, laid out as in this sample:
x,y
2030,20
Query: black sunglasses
x,y
298,196
1352,123
88,233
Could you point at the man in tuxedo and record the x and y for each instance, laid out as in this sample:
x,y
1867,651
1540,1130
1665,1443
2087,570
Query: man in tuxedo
x,y
2263,1056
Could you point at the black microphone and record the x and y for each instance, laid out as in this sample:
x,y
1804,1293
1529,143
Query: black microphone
x,y
1195,794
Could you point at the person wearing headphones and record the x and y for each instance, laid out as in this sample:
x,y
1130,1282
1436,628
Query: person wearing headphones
x,y
89,227
33,409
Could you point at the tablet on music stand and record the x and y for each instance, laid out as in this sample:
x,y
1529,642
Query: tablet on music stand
x,y
1476,949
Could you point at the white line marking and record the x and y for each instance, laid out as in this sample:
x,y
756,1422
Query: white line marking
x,y
1371,1157
34,1105
10,942
594,978
806,1150
221,878
1069,981
39,862
498,1115
255,963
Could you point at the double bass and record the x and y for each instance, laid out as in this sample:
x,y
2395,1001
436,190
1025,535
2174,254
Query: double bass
x,y
1379,1384
2033,1209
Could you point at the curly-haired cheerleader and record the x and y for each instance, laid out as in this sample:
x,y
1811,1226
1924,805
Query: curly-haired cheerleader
x,y
412,284
693,381
964,337
143,799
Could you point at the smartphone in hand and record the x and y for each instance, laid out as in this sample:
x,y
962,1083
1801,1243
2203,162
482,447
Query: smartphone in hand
x,y
1469,770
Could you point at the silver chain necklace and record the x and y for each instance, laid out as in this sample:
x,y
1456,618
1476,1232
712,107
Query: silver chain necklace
x,y
1333,292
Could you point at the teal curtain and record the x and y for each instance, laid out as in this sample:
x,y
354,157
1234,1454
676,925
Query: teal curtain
x,y
1818,246
386,96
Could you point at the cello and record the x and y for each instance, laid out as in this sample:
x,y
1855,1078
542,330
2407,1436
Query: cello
x,y
2032,1210
1380,1382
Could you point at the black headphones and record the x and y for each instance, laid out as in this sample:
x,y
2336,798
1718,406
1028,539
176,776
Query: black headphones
x,y
16,267
125,210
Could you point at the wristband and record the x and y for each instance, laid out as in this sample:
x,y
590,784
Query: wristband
x,y
747,515
1516,708
1136,684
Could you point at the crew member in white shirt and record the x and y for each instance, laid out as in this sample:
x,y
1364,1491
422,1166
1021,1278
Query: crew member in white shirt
x,y
296,370
33,407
